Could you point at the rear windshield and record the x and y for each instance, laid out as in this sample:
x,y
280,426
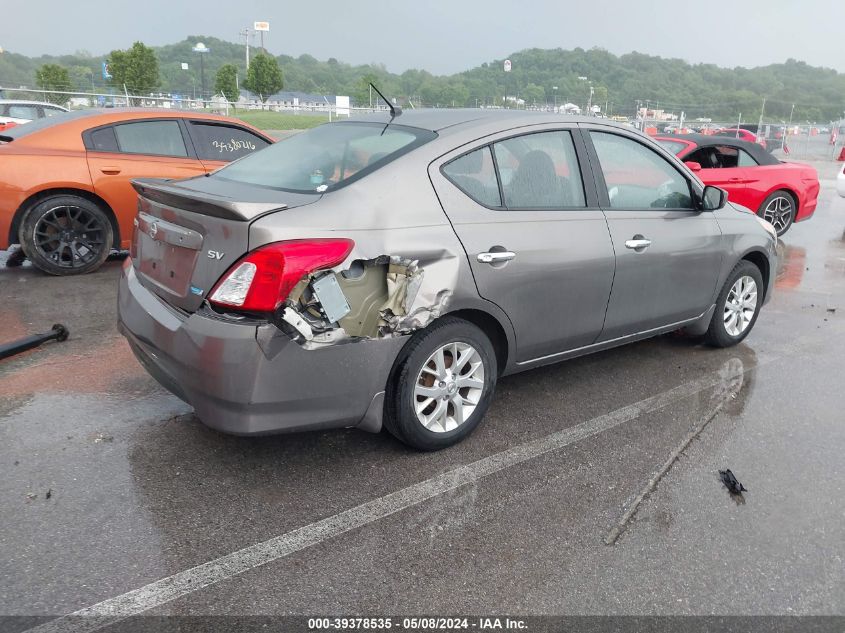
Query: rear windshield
x,y
39,124
326,157
673,146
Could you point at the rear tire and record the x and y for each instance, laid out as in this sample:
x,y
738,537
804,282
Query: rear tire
x,y
429,404
66,235
737,306
779,210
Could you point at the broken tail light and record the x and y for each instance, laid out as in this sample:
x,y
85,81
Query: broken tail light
x,y
262,279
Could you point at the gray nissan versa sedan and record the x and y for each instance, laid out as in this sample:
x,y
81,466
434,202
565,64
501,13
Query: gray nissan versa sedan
x,y
388,270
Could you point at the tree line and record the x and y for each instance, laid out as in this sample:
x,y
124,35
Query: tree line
x,y
539,78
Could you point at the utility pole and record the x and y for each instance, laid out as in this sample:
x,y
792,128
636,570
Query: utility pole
x,y
246,34
786,131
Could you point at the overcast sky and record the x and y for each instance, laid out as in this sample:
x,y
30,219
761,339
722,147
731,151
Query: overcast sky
x,y
446,36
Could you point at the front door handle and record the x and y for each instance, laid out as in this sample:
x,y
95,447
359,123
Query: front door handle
x,y
110,171
496,256
639,243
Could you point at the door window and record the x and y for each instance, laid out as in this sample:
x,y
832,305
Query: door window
x,y
475,175
746,160
224,142
162,138
102,140
540,171
638,177
722,157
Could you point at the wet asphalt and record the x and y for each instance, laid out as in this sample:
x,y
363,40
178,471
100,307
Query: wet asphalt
x,y
140,490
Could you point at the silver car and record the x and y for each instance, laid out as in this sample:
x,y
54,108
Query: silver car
x,y
386,271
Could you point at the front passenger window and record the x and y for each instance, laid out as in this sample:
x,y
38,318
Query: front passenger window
x,y
638,177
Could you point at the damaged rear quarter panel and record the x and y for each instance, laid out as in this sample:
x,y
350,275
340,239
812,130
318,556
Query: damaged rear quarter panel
x,y
407,267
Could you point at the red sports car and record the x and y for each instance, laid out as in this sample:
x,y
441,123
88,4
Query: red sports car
x,y
777,191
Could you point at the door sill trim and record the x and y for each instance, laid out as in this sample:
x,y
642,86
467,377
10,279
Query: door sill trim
x,y
595,347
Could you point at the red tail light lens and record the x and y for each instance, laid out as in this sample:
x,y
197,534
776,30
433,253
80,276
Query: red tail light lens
x,y
262,279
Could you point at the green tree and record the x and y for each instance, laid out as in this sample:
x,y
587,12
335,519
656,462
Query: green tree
x,y
534,94
361,93
135,68
53,77
264,76
226,82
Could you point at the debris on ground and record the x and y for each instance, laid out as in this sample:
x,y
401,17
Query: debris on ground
x,y
58,333
832,310
31,495
49,493
100,438
731,483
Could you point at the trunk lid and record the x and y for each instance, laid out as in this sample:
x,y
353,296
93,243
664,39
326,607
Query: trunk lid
x,y
188,233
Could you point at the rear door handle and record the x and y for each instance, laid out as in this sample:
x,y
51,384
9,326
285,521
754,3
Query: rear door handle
x,y
493,257
638,244
110,171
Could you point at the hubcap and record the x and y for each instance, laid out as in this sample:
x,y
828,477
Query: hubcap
x,y
778,213
448,387
740,305
69,236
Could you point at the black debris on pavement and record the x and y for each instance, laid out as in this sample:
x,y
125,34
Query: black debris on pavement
x,y
731,483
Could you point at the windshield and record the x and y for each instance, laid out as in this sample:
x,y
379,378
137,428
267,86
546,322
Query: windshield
x,y
673,146
326,157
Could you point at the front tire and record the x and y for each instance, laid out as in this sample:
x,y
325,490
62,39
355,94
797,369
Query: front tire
x,y
66,235
737,306
779,210
442,385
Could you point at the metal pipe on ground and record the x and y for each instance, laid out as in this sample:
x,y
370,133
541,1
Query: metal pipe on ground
x,y
58,333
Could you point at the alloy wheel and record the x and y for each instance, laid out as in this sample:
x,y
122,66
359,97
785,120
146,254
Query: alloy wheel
x,y
69,236
778,213
740,305
448,387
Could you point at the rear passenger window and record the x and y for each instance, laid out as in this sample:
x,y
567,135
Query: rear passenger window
x,y
102,140
475,175
540,171
162,138
224,142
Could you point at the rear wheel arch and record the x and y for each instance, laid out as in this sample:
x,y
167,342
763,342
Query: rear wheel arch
x,y
34,199
494,330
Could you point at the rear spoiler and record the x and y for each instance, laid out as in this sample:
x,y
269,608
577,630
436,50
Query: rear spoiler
x,y
176,194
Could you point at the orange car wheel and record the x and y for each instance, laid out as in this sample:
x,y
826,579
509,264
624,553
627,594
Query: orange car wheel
x,y
66,235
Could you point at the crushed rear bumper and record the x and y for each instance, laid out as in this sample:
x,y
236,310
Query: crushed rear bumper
x,y
238,385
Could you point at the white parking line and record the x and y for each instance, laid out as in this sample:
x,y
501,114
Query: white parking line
x,y
190,580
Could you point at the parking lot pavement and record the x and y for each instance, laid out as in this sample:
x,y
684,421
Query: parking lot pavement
x,y
516,519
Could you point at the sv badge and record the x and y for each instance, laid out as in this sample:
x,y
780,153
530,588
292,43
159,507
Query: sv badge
x,y
215,254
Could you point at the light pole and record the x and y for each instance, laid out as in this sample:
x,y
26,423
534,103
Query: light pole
x,y
555,91
201,49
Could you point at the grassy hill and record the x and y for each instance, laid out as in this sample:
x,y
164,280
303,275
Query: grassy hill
x,y
618,81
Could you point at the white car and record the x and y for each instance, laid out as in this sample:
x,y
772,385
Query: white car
x,y
18,112
840,182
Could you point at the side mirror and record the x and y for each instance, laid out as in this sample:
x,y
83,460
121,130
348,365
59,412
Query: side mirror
x,y
693,165
713,198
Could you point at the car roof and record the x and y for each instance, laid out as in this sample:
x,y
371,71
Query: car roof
x,y
440,119
757,151
74,122
30,103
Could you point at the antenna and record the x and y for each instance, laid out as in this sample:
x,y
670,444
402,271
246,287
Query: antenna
x,y
395,110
